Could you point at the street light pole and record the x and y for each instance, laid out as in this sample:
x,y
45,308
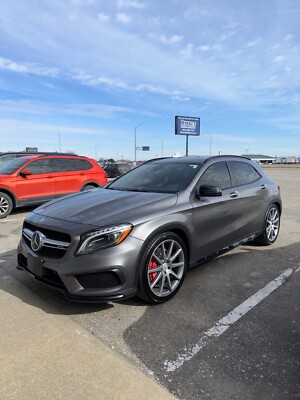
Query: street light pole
x,y
135,128
210,142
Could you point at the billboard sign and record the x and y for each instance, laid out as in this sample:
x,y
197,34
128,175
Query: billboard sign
x,y
31,149
187,126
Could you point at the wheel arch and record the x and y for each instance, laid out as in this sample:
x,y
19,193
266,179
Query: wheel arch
x,y
91,183
10,194
178,229
278,204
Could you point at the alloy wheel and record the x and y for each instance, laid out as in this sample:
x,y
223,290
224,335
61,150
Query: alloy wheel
x,y
272,224
4,206
165,268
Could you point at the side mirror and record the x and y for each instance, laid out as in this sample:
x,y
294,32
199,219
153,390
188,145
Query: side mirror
x,y
25,173
209,191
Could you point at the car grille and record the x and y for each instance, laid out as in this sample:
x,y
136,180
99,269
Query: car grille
x,y
54,244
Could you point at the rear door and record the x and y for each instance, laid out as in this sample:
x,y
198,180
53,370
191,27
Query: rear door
x,y
251,198
69,175
40,185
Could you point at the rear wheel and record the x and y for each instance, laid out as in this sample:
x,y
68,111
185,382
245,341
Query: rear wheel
x,y
163,268
88,187
6,205
271,226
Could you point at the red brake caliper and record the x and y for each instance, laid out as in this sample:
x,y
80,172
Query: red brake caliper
x,y
153,275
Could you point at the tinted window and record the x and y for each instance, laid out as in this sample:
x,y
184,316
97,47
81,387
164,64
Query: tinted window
x,y
216,175
11,166
40,166
85,164
68,164
157,177
7,157
243,173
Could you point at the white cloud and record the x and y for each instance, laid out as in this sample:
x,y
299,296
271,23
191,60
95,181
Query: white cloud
x,y
81,3
95,81
103,17
171,39
124,18
130,4
279,59
25,107
204,47
253,43
27,68
187,51
288,37
91,80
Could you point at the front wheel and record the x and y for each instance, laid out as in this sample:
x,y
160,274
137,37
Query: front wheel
x,y
163,268
271,226
6,205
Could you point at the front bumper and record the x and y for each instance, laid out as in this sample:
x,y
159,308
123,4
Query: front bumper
x,y
106,275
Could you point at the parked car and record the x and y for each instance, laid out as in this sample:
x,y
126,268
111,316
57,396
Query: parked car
x,y
116,169
36,179
142,232
8,156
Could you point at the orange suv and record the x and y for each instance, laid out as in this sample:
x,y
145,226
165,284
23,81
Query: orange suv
x,y
34,180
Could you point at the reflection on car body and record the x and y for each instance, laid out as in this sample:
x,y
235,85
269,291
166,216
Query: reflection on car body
x,y
141,234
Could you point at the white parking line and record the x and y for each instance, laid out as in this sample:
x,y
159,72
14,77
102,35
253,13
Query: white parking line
x,y
12,220
224,323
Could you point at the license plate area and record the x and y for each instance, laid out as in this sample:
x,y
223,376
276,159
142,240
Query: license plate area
x,y
35,265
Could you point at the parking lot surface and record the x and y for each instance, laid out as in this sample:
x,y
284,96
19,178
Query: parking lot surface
x,y
232,331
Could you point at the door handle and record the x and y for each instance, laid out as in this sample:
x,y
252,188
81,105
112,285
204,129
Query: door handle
x,y
234,195
263,186
50,176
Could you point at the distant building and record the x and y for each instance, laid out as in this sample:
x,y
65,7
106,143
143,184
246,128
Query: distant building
x,y
286,160
260,158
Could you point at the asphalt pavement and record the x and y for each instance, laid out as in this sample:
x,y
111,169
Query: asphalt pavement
x,y
232,332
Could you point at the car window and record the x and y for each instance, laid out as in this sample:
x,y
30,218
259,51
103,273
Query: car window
x,y
7,157
216,175
243,173
85,165
43,166
69,164
12,166
157,177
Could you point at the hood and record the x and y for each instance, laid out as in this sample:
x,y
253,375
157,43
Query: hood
x,y
100,207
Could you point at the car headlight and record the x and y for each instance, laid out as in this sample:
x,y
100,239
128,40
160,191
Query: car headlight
x,y
102,238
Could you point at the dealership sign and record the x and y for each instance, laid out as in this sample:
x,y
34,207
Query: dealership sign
x,y
187,126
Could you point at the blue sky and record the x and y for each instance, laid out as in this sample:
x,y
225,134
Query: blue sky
x,y
90,71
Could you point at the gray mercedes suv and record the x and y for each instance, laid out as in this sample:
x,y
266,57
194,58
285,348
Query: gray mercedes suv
x,y
141,233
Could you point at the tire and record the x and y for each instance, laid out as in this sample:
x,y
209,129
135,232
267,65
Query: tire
x,y
271,226
88,187
163,268
6,205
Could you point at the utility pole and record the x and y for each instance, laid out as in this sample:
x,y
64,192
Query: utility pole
x,y
135,128
59,142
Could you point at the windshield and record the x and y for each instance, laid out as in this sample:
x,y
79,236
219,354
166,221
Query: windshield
x,y
11,166
157,177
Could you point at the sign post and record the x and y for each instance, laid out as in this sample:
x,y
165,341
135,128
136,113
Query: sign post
x,y
188,126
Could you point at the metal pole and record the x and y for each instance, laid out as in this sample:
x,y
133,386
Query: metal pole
x,y
135,128
59,141
187,145
210,141
135,145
